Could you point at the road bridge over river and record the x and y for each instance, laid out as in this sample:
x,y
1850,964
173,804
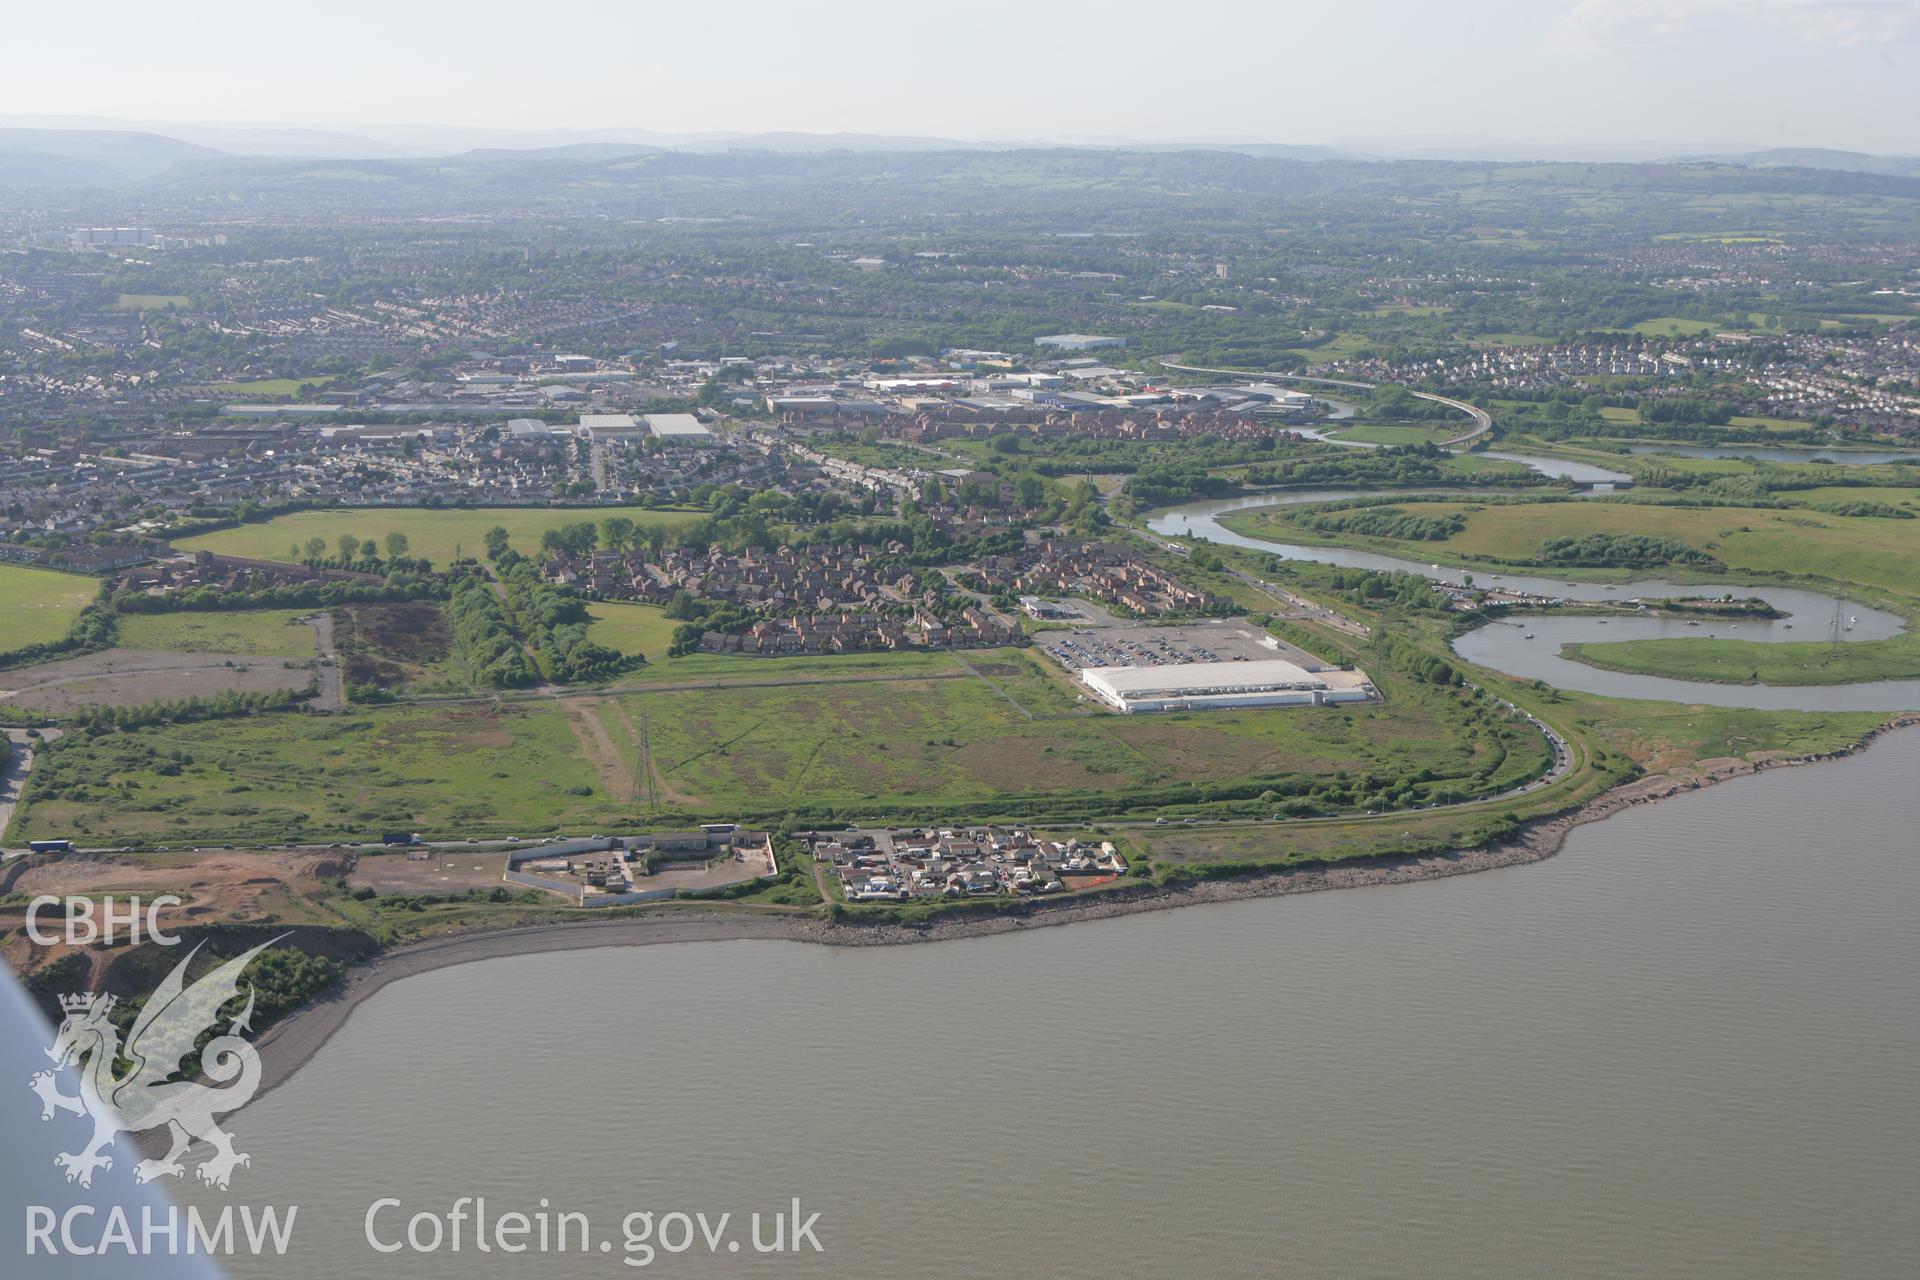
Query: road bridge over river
x,y
1482,420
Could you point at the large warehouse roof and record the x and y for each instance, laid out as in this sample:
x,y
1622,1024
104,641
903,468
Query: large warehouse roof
x,y
1265,682
675,424
598,426
1206,677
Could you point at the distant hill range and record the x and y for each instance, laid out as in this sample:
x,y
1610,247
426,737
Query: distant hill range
x,y
1820,158
93,158
89,157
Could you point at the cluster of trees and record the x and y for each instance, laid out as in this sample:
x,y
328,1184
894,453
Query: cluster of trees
x,y
1622,550
284,979
1395,465
1401,590
279,981
555,623
349,551
226,705
399,585
581,538
1413,661
1391,400
1162,485
1687,409
1862,507
1766,479
1382,522
697,617
484,638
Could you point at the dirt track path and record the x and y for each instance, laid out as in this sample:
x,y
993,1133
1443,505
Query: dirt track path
x,y
13,778
668,792
598,747
332,695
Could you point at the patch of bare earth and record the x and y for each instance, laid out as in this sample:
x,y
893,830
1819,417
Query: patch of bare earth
x,y
130,677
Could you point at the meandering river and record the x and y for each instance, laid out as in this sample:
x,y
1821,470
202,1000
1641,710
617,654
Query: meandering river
x,y
1531,650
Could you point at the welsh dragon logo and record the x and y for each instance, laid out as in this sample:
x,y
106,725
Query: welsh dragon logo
x,y
146,1096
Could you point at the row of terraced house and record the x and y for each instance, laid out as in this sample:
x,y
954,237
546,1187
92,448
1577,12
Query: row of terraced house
x,y
974,627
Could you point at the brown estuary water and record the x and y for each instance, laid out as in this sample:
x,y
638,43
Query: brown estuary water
x,y
1688,1046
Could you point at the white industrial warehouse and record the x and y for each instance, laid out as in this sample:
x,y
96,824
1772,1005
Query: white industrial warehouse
x,y
1193,686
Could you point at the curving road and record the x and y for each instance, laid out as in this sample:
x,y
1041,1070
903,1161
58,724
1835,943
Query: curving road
x,y
1482,420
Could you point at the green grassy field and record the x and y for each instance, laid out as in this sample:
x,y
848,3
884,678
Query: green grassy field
x,y
1387,433
38,605
1866,551
1005,737
150,301
1612,414
266,388
1672,327
1659,735
264,633
632,628
1750,662
704,667
1874,552
1907,499
292,776
435,533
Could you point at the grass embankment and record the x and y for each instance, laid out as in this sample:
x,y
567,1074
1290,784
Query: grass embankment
x,y
434,534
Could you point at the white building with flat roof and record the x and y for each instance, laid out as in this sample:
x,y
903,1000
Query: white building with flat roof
x,y
683,428
1078,341
609,426
1194,686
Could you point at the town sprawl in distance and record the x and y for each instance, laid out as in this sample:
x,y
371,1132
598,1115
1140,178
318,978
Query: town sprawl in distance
x,y
873,545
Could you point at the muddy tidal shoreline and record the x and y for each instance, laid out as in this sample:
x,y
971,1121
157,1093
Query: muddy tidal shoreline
x,y
290,1044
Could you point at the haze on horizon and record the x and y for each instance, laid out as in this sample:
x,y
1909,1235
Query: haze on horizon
x,y
1766,73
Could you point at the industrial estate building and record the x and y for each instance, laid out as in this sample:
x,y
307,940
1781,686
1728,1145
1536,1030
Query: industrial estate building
x,y
682,427
1078,341
1193,686
609,426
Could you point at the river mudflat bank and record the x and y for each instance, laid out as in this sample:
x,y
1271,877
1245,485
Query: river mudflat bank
x,y
291,1043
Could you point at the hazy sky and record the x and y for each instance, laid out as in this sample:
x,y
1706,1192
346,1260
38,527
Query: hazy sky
x,y
1842,73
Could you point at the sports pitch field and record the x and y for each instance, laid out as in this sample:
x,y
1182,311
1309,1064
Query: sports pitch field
x,y
38,605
